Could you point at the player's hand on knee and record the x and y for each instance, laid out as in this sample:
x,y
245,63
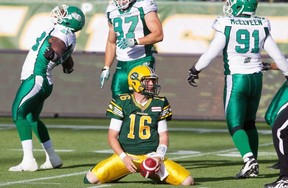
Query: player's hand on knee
x,y
128,161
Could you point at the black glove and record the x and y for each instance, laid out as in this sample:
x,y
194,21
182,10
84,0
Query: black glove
x,y
49,54
286,80
68,71
266,66
193,75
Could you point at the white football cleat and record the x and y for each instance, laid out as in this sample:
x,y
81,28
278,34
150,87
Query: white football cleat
x,y
25,166
53,162
250,169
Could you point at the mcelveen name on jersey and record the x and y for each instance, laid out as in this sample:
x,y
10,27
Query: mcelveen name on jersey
x,y
245,39
224,21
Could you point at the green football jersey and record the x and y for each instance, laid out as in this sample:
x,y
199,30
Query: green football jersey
x,y
139,131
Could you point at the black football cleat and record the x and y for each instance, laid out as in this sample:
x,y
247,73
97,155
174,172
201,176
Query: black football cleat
x,y
281,182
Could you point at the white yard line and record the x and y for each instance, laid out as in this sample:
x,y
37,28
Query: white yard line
x,y
214,152
44,178
96,186
103,127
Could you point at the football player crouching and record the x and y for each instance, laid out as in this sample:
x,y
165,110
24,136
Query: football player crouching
x,y
138,129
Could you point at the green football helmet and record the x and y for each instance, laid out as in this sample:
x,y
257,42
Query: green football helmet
x,y
68,16
238,7
122,4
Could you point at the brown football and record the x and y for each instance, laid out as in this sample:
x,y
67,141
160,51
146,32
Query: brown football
x,y
148,167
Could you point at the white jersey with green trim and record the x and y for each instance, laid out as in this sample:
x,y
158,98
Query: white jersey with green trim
x,y
245,38
131,24
35,62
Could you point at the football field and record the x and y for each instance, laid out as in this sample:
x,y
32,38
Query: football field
x,y
203,147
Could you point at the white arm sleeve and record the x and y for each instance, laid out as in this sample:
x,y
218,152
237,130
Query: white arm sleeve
x,y
274,52
162,126
115,124
215,47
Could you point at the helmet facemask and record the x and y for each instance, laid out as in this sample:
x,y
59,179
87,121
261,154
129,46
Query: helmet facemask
x,y
58,13
149,86
122,4
68,16
240,7
227,10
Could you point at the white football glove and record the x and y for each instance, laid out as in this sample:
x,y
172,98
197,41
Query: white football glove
x,y
104,76
125,43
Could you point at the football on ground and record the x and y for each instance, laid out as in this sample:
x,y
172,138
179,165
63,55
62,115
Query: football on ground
x,y
148,167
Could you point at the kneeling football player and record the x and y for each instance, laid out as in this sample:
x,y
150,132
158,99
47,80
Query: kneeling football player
x,y
138,130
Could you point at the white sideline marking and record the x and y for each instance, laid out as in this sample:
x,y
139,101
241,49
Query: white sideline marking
x,y
237,154
216,152
44,178
192,153
103,127
106,185
58,150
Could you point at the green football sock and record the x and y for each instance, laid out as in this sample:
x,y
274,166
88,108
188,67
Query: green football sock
x,y
253,141
241,142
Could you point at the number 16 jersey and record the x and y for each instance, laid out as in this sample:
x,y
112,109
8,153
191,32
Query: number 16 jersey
x,y
139,131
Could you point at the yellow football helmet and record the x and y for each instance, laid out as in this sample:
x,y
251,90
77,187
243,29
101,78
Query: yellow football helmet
x,y
138,79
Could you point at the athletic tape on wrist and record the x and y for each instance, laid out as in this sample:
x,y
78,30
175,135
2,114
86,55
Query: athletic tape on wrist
x,y
105,68
137,41
161,151
122,155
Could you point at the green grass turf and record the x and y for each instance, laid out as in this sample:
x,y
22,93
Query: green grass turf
x,y
210,156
